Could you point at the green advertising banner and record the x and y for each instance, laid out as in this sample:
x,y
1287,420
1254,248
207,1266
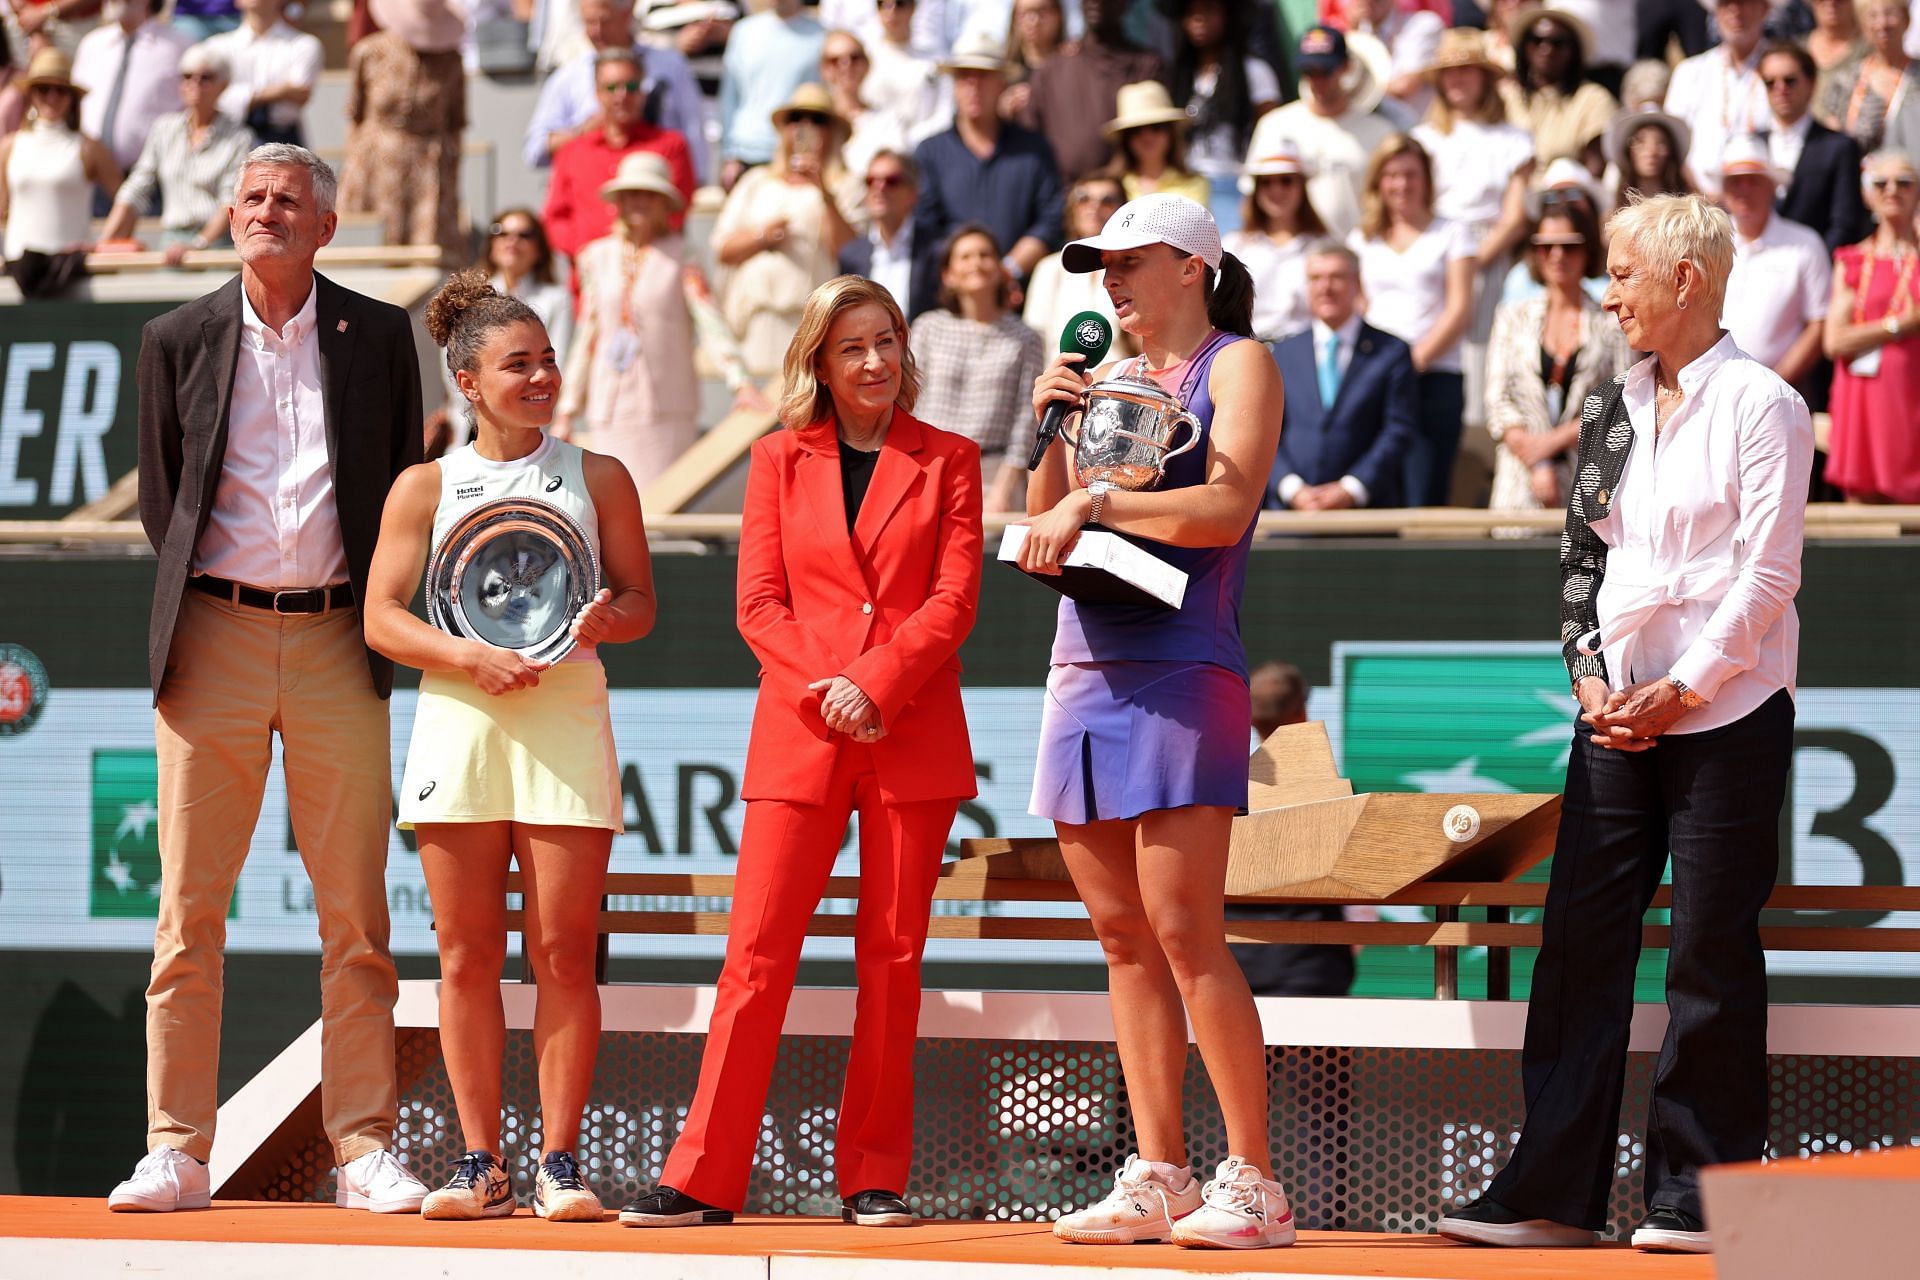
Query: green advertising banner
x,y
67,402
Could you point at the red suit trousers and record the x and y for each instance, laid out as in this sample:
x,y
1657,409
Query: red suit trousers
x,y
787,851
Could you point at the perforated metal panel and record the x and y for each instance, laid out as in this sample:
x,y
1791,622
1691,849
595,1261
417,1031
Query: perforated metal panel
x,y
1365,1139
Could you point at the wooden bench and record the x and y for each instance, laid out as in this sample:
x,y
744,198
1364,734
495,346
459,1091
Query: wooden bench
x,y
1446,934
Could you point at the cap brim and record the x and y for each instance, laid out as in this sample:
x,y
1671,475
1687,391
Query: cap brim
x,y
1083,256
963,63
673,198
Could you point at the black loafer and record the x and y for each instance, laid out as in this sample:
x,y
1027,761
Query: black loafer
x,y
876,1209
1672,1231
1487,1222
666,1207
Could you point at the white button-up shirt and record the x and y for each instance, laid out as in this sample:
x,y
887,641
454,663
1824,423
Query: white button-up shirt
x,y
1720,100
1781,282
1704,537
892,264
152,58
274,524
1785,143
280,55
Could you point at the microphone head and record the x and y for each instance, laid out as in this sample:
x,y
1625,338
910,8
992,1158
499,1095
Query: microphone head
x,y
1089,333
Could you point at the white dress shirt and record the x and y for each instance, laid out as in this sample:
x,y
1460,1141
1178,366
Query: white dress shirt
x,y
279,55
893,264
1719,100
274,524
1704,537
1781,282
1348,334
1785,142
152,87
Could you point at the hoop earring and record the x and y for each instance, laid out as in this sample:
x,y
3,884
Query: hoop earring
x,y
1680,304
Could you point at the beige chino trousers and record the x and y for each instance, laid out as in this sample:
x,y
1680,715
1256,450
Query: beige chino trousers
x,y
235,677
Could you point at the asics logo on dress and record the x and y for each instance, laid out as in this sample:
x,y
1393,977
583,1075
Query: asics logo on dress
x,y
553,484
428,789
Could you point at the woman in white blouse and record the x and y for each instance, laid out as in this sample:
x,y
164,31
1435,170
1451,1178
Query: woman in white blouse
x,y
48,170
1056,295
1482,166
1417,270
1679,566
1279,223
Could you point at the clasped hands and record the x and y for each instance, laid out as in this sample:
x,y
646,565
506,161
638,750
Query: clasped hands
x,y
1630,719
848,710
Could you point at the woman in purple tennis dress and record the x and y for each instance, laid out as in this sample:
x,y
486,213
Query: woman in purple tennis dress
x,y
1143,742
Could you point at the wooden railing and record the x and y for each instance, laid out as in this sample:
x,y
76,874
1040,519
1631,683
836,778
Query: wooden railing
x,y
1446,935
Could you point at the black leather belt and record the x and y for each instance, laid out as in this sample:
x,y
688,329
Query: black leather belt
x,y
306,600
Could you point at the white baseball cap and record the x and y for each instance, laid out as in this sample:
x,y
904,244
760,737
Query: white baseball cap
x,y
1156,219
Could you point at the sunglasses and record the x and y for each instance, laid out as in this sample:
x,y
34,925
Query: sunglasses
x,y
1552,42
621,86
1904,181
202,77
1547,244
1097,197
808,117
1278,179
1563,195
501,230
844,59
894,4
886,181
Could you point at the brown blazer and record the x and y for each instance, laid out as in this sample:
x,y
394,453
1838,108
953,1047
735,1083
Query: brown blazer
x,y
370,387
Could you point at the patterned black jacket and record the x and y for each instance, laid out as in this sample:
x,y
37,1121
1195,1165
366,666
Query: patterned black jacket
x,y
1606,438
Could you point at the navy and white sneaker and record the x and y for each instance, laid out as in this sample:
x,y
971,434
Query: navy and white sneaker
x,y
478,1188
560,1194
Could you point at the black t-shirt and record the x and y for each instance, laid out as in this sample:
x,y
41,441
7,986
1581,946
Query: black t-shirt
x,y
856,471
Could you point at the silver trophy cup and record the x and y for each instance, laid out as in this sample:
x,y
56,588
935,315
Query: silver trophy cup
x,y
513,573
1127,428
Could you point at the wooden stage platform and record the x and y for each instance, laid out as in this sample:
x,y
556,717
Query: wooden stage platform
x,y
61,1239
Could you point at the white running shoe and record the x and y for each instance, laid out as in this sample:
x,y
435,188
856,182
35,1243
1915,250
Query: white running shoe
x,y
1146,1200
163,1181
560,1194
477,1188
1239,1210
378,1182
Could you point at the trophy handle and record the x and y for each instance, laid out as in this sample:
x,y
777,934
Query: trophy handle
x,y
1192,424
1076,410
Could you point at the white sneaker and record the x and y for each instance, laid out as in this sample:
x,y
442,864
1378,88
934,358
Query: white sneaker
x,y
1146,1200
478,1188
377,1181
1239,1210
560,1194
163,1181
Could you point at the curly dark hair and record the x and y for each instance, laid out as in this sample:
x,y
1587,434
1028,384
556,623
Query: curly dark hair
x,y
467,311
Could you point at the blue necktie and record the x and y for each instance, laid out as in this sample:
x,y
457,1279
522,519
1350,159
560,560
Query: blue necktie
x,y
1330,372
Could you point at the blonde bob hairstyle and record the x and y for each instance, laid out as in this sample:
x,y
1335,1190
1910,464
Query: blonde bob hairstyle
x,y
805,398
1668,230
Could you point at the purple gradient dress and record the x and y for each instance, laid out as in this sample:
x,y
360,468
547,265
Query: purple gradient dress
x,y
1147,707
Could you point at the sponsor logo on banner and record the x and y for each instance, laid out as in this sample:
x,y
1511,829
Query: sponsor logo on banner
x,y
23,689
126,834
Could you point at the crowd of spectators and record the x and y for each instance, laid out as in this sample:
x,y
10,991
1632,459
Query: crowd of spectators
x,y
1452,161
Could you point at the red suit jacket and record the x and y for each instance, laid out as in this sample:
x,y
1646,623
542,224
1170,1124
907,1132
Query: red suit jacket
x,y
886,607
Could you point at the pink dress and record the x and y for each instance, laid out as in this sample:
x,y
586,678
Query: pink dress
x,y
1874,445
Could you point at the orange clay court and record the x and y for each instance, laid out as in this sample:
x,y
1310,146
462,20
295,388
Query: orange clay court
x,y
81,1238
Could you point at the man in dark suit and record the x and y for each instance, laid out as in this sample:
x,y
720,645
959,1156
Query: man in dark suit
x,y
1352,403
891,253
1825,191
274,415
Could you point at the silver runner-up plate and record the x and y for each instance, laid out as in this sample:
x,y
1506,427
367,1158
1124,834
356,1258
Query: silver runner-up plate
x,y
513,573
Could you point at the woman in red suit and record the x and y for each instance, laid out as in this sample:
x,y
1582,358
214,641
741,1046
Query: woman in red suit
x,y
859,577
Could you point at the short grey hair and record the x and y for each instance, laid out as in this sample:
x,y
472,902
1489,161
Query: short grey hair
x,y
201,57
1886,158
1331,248
1668,230
326,187
607,57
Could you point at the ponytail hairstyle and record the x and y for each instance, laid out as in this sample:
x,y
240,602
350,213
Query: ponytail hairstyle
x,y
466,312
1230,296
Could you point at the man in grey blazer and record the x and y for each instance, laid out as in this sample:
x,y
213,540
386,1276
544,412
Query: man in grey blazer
x,y
274,415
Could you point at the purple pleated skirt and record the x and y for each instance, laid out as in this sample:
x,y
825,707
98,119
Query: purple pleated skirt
x,y
1119,739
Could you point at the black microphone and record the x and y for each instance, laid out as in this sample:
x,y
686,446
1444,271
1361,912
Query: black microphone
x,y
1090,335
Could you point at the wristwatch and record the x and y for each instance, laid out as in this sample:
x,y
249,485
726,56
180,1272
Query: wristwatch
x,y
1892,325
1097,492
1688,698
